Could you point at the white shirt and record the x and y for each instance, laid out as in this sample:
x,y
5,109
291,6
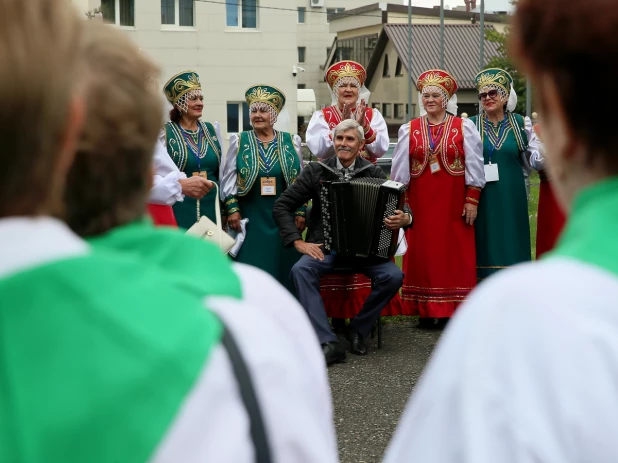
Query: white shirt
x,y
320,143
166,189
526,372
275,338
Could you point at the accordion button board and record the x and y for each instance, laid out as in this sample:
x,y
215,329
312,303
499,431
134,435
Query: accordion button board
x,y
353,214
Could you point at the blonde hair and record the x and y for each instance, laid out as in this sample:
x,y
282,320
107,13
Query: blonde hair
x,y
39,67
112,172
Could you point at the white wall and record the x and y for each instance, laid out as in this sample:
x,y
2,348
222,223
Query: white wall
x,y
228,60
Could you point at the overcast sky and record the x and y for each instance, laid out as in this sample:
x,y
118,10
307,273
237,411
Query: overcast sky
x,y
495,5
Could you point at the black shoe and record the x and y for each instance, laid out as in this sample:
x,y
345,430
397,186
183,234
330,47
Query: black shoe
x,y
333,352
339,325
357,343
427,323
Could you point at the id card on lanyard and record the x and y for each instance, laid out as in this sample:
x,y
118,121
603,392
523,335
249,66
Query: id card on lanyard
x,y
434,164
268,185
491,169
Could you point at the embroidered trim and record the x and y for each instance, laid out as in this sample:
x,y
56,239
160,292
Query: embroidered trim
x,y
472,200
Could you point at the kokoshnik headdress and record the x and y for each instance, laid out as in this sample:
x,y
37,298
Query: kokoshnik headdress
x,y
347,72
500,80
437,80
180,88
266,97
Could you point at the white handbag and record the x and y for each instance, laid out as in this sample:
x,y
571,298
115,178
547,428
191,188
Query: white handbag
x,y
207,230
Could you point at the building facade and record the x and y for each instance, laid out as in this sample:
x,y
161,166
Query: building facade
x,y
231,45
315,41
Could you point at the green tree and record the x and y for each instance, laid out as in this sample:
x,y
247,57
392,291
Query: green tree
x,y
503,62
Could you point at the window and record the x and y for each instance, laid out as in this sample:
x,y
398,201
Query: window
x,y
332,11
399,111
399,68
177,12
386,109
385,70
408,113
238,117
301,86
376,106
357,49
119,12
241,13
301,54
301,15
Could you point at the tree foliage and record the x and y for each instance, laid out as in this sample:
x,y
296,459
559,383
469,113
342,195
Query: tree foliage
x,y
503,61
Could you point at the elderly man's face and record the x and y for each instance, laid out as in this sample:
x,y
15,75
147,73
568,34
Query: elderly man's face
x,y
348,146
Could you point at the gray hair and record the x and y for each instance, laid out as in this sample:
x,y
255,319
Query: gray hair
x,y
349,124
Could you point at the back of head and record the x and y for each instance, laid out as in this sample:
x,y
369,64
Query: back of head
x,y
572,44
112,172
39,67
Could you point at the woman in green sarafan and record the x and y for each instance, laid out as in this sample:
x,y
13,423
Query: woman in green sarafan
x,y
260,164
502,226
194,147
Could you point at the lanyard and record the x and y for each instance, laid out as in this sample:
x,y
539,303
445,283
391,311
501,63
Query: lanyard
x,y
500,134
434,142
189,144
268,164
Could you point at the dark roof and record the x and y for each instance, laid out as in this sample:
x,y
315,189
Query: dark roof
x,y
370,10
461,49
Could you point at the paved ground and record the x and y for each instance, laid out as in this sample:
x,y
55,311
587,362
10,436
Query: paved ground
x,y
370,392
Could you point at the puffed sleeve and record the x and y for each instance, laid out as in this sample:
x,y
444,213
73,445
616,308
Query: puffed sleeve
x,y
301,211
318,136
536,149
229,188
533,147
166,189
475,169
400,169
376,136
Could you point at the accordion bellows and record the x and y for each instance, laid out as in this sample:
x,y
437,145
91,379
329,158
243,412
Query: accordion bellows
x,y
353,216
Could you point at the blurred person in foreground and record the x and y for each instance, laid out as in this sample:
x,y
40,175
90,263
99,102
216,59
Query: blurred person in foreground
x,y
500,389
106,191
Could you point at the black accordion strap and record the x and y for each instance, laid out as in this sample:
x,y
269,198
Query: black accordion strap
x,y
249,399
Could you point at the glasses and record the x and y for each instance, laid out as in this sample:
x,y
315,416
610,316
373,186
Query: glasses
x,y
490,94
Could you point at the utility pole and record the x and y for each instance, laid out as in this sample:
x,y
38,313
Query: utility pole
x,y
409,59
441,34
482,47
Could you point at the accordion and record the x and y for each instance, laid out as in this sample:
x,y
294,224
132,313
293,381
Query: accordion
x,y
353,216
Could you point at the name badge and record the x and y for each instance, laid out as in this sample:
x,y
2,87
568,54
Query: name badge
x,y
269,186
491,173
434,164
200,174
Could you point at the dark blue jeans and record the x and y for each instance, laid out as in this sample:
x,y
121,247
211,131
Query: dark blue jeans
x,y
386,279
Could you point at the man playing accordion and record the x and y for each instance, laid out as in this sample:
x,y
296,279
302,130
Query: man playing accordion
x,y
386,277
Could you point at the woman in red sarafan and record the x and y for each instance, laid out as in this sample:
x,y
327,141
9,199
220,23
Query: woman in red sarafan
x,y
440,157
550,216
